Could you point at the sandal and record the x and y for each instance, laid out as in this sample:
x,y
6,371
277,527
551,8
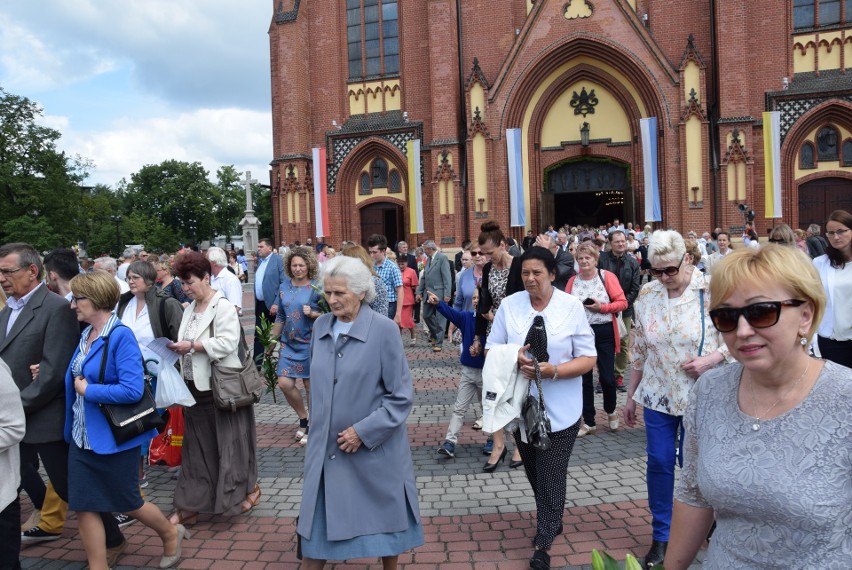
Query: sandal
x,y
183,517
252,499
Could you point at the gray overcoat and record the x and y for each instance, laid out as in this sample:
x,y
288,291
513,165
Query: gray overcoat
x,y
362,381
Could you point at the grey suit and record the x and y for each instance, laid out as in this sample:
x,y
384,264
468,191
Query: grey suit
x,y
45,333
438,280
564,268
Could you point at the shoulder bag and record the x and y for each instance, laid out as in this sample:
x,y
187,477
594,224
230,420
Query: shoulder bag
x,y
622,328
130,420
232,387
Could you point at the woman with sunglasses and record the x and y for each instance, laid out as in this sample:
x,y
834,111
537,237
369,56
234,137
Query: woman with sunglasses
x,y
673,343
768,447
834,337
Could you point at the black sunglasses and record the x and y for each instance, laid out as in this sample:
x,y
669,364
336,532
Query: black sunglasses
x,y
476,253
759,315
670,270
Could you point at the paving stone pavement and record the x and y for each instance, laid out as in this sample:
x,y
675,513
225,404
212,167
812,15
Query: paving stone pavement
x,y
472,520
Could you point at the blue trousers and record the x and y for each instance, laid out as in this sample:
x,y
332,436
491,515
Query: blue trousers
x,y
664,434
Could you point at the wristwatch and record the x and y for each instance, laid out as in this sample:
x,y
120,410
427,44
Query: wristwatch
x,y
191,348
555,373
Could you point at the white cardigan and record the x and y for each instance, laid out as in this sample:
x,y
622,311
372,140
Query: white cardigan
x,y
223,347
12,429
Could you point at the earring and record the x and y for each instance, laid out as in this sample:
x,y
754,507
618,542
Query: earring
x,y
803,341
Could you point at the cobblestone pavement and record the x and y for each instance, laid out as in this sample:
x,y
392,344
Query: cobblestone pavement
x,y
472,520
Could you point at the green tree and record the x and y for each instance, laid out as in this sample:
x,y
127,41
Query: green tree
x,y
39,185
231,204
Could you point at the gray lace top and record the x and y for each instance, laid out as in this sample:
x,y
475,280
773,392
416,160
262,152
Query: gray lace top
x,y
782,495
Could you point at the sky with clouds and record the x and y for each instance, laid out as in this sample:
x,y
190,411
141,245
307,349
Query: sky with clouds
x,y
136,83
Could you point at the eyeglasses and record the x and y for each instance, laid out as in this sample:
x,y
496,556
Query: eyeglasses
x,y
476,253
670,270
759,315
76,300
838,233
777,240
8,272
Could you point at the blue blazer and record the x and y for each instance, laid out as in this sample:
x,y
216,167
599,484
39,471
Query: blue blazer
x,y
273,277
123,384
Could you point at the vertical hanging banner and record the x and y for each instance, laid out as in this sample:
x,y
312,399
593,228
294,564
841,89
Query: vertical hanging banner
x,y
772,162
653,211
320,192
415,188
517,210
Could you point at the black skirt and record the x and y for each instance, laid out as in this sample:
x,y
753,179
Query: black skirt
x,y
103,483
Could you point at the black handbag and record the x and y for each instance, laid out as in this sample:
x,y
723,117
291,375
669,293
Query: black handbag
x,y
536,422
130,420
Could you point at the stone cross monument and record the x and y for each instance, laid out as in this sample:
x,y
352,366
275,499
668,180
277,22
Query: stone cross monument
x,y
249,223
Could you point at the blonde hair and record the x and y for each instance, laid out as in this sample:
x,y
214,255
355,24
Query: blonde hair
x,y
666,245
99,287
587,248
358,252
693,250
788,267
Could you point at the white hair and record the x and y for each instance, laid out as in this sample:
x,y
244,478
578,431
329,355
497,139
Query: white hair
x,y
352,270
666,245
217,256
107,264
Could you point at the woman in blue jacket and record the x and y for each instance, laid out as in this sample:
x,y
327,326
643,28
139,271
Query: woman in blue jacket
x,y
102,475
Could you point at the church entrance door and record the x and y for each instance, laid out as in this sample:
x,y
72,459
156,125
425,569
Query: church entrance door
x,y
383,218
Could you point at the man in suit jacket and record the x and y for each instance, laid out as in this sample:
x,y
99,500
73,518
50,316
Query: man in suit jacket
x,y
564,259
38,327
268,278
438,279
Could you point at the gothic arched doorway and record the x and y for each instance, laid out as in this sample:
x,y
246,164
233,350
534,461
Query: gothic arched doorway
x,y
383,218
591,191
819,198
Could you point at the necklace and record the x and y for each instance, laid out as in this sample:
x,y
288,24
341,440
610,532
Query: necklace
x,y
756,425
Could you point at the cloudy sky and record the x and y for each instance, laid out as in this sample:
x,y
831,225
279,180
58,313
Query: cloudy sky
x,y
135,83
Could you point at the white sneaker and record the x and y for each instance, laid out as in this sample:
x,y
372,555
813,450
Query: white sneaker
x,y
304,441
477,425
586,430
613,421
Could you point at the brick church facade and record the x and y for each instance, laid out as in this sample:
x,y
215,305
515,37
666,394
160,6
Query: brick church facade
x,y
361,78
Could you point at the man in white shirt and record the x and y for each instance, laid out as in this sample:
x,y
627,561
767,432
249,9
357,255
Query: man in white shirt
x,y
223,280
109,265
130,255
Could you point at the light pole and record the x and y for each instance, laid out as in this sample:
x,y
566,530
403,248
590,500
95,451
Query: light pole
x,y
117,221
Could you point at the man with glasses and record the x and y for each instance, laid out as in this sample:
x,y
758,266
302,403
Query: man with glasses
x,y
377,246
38,329
626,268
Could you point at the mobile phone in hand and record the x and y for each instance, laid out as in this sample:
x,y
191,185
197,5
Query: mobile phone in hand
x,y
588,301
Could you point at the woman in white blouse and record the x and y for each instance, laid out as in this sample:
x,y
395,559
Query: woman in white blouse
x,y
673,343
835,271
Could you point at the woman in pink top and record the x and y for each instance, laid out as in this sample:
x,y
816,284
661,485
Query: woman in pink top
x,y
409,285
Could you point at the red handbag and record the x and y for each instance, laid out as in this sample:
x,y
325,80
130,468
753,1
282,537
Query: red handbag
x,y
166,448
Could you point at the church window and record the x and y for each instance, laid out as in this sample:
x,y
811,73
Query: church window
x,y
847,152
827,141
379,174
810,13
364,186
372,32
396,182
806,156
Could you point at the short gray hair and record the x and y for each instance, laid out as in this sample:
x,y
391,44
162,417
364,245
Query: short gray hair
x,y
130,252
358,278
107,264
666,245
217,256
430,244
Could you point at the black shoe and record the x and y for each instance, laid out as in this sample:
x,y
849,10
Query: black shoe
x,y
515,464
489,467
540,560
656,554
124,520
35,534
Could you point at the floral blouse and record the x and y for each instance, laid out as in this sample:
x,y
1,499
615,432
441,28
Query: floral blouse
x,y
666,332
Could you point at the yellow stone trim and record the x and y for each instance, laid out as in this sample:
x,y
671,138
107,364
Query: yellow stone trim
x,y
609,121
374,96
694,160
691,80
480,173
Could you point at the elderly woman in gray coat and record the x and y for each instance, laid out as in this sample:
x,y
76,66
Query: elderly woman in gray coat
x,y
359,497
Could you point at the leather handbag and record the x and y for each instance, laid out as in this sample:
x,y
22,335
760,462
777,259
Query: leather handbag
x,y
127,421
536,421
232,387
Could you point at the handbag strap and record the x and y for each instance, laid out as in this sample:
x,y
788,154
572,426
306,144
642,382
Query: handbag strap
x,y
701,297
106,355
538,383
242,347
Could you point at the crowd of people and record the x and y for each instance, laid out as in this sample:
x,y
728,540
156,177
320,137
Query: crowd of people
x,y
739,357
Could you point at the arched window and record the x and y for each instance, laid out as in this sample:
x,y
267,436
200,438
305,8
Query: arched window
x,y
372,31
847,152
379,174
395,182
806,156
365,184
828,144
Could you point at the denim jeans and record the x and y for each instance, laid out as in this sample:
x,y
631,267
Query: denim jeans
x,y
664,434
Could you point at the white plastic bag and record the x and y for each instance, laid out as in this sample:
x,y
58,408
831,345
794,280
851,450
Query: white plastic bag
x,y
171,389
